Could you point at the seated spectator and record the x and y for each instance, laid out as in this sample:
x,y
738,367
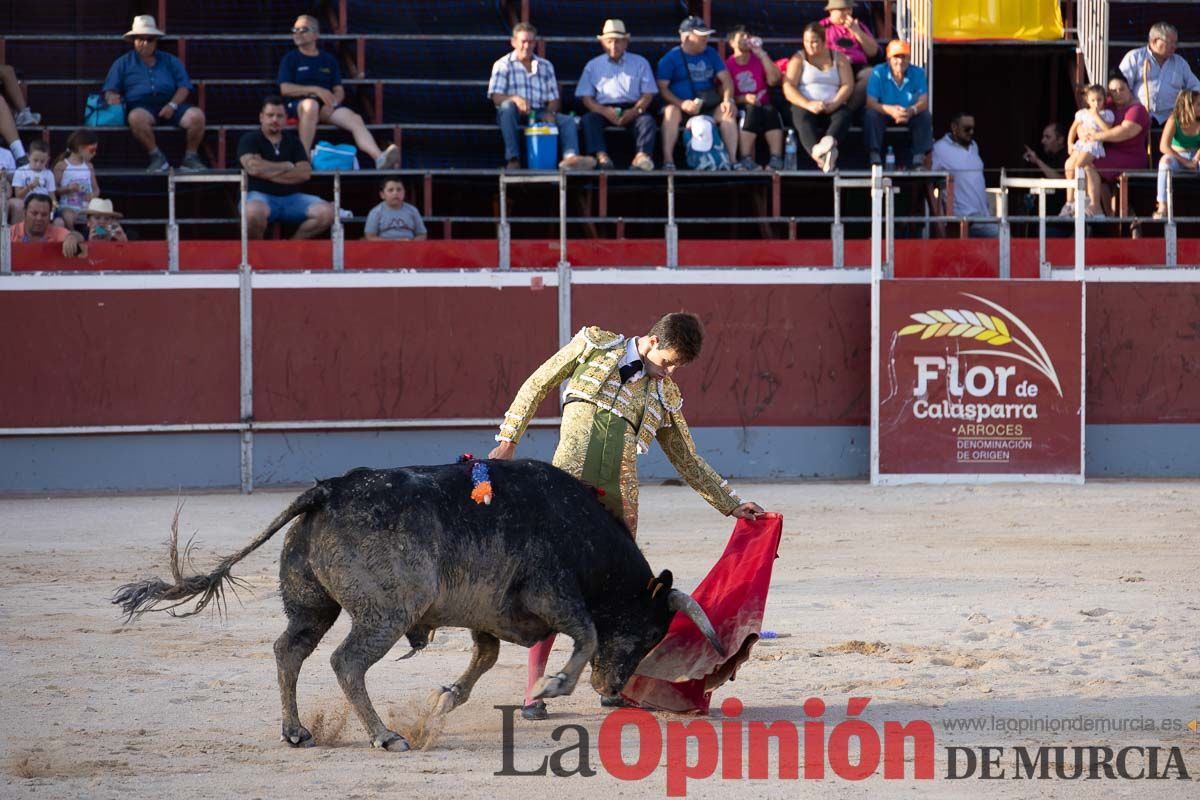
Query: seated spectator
x,y
1124,143
8,130
25,116
37,228
523,85
1053,155
103,222
853,39
277,164
819,84
688,79
617,88
1051,160
753,72
312,83
958,154
898,93
1179,145
394,219
154,86
1156,74
33,178
1095,118
75,176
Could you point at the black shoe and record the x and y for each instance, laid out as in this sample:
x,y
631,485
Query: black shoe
x,y
513,164
874,159
535,711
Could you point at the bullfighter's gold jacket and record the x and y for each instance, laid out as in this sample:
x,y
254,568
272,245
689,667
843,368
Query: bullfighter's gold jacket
x,y
653,408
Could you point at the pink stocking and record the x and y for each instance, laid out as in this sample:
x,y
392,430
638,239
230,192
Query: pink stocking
x,y
539,654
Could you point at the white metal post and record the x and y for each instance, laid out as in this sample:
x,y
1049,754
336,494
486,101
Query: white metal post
x,y
172,226
337,234
672,230
1005,237
246,350
5,243
503,239
876,278
837,231
1170,243
1080,226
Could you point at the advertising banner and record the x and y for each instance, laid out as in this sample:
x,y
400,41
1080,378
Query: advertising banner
x,y
979,378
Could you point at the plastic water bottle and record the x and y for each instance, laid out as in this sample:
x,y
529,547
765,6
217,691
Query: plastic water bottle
x,y
532,119
889,162
789,152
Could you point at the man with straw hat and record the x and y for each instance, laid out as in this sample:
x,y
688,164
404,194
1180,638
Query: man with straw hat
x,y
154,85
617,88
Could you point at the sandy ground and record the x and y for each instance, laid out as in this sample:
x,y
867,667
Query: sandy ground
x,y
991,603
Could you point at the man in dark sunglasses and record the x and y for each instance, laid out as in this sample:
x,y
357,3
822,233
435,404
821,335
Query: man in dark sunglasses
x,y
957,153
311,81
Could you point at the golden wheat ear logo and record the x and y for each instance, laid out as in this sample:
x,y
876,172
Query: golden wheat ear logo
x,y
982,326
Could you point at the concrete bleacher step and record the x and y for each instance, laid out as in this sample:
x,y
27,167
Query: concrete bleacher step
x,y
430,17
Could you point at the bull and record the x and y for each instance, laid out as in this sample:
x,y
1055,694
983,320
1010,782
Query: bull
x,y
406,551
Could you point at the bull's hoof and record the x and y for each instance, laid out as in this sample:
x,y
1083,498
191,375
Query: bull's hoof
x,y
390,741
445,699
551,686
297,736
535,711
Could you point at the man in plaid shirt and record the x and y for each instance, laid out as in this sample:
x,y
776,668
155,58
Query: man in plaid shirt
x,y
524,84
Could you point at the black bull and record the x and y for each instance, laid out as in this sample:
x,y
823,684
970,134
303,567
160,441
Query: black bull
x,y
406,551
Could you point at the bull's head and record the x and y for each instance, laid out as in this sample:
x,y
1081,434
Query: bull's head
x,y
637,628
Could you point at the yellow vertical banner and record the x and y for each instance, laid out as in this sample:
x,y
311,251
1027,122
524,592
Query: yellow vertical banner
x,y
1025,20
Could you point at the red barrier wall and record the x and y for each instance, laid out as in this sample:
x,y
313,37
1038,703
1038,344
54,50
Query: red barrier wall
x,y
969,258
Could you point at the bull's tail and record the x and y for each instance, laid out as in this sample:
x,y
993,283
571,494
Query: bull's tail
x,y
141,596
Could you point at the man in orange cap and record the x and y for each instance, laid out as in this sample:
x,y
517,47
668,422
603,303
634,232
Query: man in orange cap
x,y
898,93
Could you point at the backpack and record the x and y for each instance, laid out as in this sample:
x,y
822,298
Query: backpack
x,y
704,148
328,157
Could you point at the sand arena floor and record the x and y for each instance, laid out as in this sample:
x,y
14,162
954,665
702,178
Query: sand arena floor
x,y
1004,604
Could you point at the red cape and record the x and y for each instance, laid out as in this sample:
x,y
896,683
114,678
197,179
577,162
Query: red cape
x,y
681,673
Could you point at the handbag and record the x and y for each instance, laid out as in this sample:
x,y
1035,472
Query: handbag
x,y
328,157
99,114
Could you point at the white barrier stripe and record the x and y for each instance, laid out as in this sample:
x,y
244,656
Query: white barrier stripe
x,y
520,279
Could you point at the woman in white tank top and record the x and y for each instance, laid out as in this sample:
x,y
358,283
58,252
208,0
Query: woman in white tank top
x,y
818,84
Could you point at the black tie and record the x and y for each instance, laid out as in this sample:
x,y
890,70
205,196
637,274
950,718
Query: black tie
x,y
631,369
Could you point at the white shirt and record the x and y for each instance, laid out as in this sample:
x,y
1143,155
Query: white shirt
x,y
631,355
964,163
25,176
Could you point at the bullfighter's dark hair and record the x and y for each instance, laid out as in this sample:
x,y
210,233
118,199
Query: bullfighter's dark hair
x,y
681,332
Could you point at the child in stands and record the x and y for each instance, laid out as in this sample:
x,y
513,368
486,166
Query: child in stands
x,y
393,218
76,177
1095,118
35,177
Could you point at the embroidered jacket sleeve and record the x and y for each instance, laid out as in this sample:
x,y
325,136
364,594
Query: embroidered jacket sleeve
x,y
676,441
535,388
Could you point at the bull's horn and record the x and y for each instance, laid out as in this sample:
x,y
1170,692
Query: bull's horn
x,y
682,602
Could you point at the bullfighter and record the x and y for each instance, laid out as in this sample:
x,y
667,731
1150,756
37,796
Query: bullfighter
x,y
620,397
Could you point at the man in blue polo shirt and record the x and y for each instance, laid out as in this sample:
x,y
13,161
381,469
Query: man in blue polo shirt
x,y
898,93
153,85
693,80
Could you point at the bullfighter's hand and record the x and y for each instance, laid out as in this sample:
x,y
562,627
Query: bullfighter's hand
x,y
505,451
747,511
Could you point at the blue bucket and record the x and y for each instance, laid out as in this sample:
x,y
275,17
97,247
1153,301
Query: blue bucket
x,y
541,146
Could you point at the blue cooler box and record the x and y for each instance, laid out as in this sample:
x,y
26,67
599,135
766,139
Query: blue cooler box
x,y
541,146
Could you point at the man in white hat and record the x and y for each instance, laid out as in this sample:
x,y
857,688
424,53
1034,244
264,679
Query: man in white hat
x,y
617,88
311,81
693,80
102,222
154,85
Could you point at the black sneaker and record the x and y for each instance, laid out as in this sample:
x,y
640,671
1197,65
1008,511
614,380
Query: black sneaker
x,y
874,159
192,163
158,163
535,711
